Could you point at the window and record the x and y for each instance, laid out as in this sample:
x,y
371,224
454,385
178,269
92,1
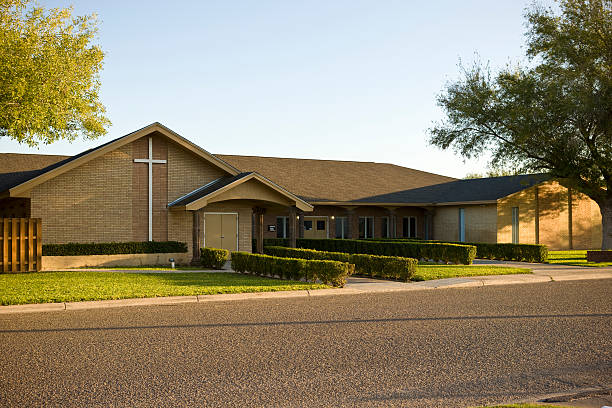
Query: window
x,y
308,225
366,227
321,225
282,227
409,227
515,225
462,224
384,227
342,227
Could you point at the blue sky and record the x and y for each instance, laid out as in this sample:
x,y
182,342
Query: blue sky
x,y
333,79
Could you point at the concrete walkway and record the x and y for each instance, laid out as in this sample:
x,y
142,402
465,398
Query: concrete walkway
x,y
354,285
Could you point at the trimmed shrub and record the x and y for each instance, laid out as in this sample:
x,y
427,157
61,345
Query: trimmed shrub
x,y
328,272
388,267
213,257
113,248
438,251
502,252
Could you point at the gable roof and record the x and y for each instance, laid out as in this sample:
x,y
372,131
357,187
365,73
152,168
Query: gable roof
x,y
193,200
479,190
319,181
20,182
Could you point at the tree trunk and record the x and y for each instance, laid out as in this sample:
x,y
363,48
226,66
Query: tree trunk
x,y
606,223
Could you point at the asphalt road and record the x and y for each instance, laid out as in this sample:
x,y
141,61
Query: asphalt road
x,y
446,348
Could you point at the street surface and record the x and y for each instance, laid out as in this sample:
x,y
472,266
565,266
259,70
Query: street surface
x,y
430,348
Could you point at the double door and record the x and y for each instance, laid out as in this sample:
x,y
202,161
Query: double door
x,y
221,230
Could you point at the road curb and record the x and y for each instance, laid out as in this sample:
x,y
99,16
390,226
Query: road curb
x,y
450,283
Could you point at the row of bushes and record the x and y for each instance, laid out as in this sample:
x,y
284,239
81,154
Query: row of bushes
x,y
388,267
445,252
502,251
113,248
328,272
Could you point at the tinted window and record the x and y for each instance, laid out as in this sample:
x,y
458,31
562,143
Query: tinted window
x,y
307,225
321,225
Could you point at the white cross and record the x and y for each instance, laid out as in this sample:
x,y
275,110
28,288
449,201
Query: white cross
x,y
151,162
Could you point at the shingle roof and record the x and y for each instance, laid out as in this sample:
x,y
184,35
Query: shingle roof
x,y
332,180
316,180
469,190
207,189
14,162
15,178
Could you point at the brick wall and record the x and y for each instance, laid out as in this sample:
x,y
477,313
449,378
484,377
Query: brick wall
x,y
480,223
90,203
186,172
553,217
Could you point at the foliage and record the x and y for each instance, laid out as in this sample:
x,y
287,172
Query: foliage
x,y
214,258
113,248
505,252
388,267
430,272
52,287
328,272
456,253
552,116
49,74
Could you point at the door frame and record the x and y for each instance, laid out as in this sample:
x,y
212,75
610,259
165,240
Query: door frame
x,y
327,226
221,213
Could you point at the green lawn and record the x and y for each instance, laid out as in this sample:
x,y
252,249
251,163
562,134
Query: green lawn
x,y
576,258
431,271
49,287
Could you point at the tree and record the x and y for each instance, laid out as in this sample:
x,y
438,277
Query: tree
x,y
49,75
553,115
491,173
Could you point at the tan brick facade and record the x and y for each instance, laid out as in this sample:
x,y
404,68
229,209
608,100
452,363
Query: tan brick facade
x,y
544,217
106,199
90,203
480,223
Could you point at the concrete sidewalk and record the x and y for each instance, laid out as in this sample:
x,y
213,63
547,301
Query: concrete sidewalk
x,y
354,285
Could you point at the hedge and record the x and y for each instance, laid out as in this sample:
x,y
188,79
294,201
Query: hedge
x,y
328,272
438,251
213,257
393,267
503,252
113,248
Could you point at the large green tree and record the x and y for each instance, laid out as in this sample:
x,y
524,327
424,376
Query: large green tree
x,y
49,74
551,115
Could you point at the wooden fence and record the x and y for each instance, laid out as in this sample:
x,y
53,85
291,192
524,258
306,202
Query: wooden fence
x,y
20,244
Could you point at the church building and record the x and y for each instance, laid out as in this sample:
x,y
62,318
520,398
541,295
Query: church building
x,y
153,184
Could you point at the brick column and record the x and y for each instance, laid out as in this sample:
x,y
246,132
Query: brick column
x,y
392,222
429,223
353,223
301,225
291,226
259,229
195,259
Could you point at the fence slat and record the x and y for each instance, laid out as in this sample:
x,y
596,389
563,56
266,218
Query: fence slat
x,y
20,244
30,245
14,241
22,240
5,242
38,244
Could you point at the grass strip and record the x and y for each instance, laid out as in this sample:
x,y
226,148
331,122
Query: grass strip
x,y
428,271
51,287
573,258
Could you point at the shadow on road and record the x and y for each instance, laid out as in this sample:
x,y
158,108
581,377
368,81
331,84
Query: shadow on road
x,y
313,322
